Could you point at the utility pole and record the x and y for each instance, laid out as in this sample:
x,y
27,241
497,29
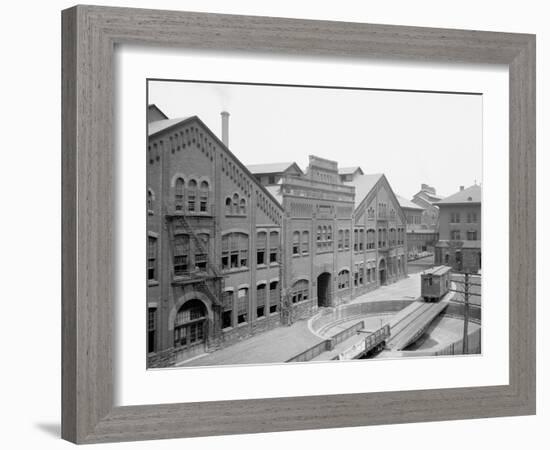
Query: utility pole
x,y
466,292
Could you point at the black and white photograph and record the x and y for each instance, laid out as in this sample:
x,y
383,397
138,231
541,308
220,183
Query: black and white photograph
x,y
293,224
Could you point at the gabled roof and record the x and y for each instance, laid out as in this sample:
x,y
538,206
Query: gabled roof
x,y
471,194
404,203
161,125
154,109
350,170
272,167
275,191
428,196
363,184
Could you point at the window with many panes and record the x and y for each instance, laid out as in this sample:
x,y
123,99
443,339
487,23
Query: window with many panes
x,y
296,243
274,297
192,196
300,291
179,194
274,247
201,251
455,235
471,235
261,244
234,251
305,242
261,290
227,312
343,279
151,329
242,305
455,217
181,255
203,201
151,258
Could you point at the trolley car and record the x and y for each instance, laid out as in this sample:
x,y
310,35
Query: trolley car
x,y
435,283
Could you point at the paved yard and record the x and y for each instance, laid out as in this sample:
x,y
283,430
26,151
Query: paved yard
x,y
274,346
283,343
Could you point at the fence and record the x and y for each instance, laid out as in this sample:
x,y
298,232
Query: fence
x,y
327,344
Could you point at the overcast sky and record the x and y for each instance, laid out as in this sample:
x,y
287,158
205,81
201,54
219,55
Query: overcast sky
x,y
412,138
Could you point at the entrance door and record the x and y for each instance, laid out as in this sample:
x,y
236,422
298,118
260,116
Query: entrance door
x,y
323,289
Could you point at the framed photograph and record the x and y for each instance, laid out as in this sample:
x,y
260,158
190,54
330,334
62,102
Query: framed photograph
x,y
278,224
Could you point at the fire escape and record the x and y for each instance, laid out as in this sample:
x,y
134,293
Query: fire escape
x,y
205,277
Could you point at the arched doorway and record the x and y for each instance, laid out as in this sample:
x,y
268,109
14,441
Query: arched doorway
x,y
323,289
190,329
382,271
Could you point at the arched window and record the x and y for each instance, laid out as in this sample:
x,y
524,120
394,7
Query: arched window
x,y
296,243
228,209
242,206
189,326
203,200
305,242
192,195
343,279
329,235
179,194
235,204
300,291
356,240
361,239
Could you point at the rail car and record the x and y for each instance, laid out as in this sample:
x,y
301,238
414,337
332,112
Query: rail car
x,y
435,283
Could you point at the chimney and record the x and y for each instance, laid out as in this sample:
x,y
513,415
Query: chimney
x,y
225,128
461,188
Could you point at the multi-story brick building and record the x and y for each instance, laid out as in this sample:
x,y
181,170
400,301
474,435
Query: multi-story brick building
x,y
459,242
427,198
229,257
420,238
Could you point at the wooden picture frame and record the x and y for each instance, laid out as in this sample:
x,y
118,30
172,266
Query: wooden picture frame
x,y
90,34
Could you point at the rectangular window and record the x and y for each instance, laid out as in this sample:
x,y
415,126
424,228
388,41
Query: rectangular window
x,y
242,305
151,329
181,255
151,258
296,243
340,239
346,239
227,313
472,235
455,235
273,247
355,240
274,297
261,243
305,242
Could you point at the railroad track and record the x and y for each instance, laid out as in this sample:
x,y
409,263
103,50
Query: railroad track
x,y
413,323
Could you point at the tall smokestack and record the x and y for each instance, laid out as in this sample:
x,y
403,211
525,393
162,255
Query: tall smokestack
x,y
225,128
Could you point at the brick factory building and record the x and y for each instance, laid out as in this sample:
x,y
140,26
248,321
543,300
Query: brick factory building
x,y
427,199
235,251
420,237
459,242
